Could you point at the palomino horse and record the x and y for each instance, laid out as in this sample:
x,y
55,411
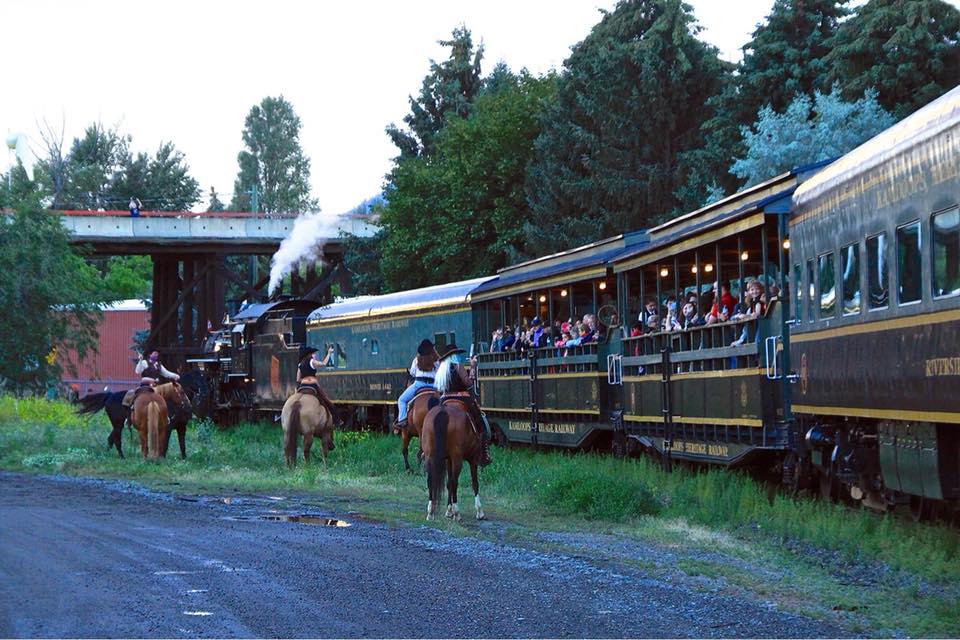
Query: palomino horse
x,y
303,414
179,412
111,403
150,421
447,440
418,411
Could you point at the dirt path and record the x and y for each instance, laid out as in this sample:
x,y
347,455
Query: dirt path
x,y
102,558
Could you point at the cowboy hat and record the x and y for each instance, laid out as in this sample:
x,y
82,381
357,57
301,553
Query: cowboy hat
x,y
450,350
425,348
309,351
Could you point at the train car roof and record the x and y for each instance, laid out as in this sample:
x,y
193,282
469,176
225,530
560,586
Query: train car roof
x,y
590,260
427,298
770,197
938,116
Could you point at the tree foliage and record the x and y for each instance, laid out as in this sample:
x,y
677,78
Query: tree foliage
x,y
631,103
908,50
215,204
449,89
48,297
100,172
808,131
459,212
273,161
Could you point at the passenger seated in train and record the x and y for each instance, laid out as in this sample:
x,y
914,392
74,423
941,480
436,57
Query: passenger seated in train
x,y
307,381
649,309
423,372
671,322
690,317
750,309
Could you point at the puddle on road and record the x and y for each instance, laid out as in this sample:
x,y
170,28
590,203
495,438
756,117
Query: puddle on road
x,y
300,518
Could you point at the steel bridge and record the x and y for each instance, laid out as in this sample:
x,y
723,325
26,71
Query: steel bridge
x,y
190,269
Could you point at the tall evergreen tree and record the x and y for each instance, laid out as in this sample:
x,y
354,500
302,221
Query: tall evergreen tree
x,y
909,50
161,182
787,54
631,102
469,192
449,88
273,161
215,204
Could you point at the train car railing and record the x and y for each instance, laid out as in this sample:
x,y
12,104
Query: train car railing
x,y
549,360
705,348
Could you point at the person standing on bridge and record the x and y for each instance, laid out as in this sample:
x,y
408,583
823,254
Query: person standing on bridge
x,y
135,207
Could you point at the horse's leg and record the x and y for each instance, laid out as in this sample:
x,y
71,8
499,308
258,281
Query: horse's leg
x,y
165,444
476,490
307,443
143,440
456,466
405,448
449,511
182,437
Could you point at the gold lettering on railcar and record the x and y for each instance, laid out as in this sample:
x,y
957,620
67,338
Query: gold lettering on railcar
x,y
549,427
743,394
381,386
943,367
380,326
702,448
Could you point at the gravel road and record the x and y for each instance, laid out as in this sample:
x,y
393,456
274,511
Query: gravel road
x,y
109,559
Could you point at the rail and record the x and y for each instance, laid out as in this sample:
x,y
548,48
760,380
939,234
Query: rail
x,y
549,360
714,347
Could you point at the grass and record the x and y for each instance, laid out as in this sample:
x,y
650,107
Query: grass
x,y
816,542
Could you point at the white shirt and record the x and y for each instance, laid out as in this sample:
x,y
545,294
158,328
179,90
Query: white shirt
x,y
143,364
415,371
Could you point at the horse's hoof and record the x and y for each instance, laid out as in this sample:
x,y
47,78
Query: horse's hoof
x,y
430,517
481,515
456,517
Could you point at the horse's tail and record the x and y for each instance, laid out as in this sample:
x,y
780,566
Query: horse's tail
x,y
93,402
153,430
437,469
291,433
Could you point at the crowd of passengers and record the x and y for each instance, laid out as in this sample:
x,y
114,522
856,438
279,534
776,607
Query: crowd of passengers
x,y
535,334
709,308
712,307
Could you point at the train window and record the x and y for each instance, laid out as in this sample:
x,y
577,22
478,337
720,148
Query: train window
x,y
850,264
828,286
451,338
798,294
946,253
374,347
440,341
811,290
877,280
909,264
341,357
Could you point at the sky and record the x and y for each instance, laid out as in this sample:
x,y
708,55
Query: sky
x,y
189,72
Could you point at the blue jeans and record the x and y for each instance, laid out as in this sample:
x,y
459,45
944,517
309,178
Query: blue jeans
x,y
407,396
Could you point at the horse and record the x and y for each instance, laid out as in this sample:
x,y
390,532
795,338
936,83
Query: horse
x,y
179,412
303,414
111,403
448,439
150,420
418,411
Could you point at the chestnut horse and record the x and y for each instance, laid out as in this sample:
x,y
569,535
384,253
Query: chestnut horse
x,y
418,411
448,439
303,414
150,421
179,412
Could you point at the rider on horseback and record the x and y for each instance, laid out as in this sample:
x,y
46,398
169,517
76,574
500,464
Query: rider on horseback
x,y
150,371
423,370
307,378
454,381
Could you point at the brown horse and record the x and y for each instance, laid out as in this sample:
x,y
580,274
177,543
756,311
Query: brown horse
x,y
303,414
179,411
418,411
448,439
150,420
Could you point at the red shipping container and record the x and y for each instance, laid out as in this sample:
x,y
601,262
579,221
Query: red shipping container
x,y
112,367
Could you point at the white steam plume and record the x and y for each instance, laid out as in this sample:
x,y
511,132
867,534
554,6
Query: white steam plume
x,y
304,243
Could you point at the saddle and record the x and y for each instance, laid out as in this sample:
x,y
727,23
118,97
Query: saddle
x,y
143,388
421,391
309,389
472,409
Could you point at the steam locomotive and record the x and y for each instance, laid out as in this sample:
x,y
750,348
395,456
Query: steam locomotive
x,y
847,385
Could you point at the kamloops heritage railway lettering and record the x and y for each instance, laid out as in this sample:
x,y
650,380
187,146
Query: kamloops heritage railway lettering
x,y
702,448
549,427
943,367
380,326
